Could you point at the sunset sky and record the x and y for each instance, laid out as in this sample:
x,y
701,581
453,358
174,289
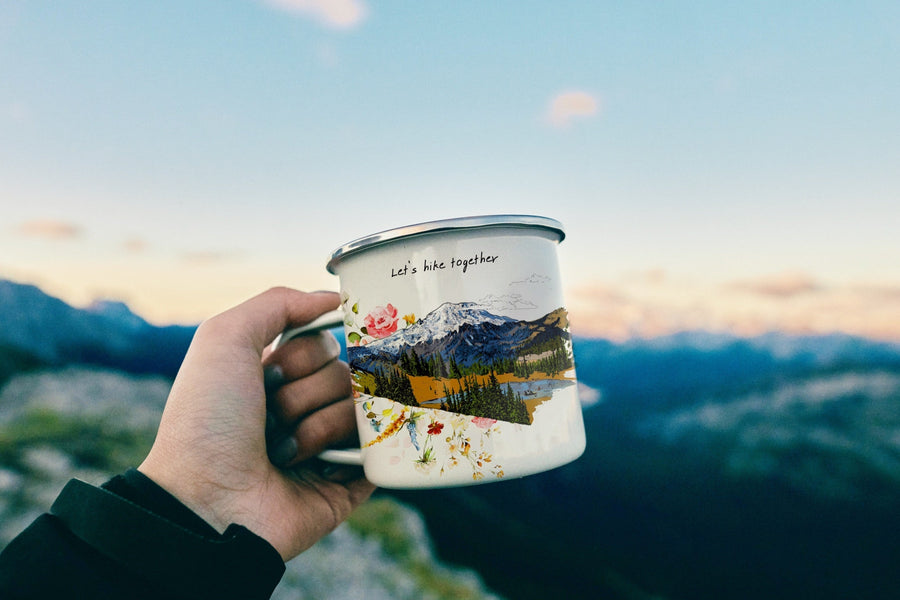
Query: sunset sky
x,y
732,167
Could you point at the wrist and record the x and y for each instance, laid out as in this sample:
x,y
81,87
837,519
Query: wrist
x,y
208,502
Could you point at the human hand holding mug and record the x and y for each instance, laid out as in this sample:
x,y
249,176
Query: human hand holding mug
x,y
459,352
210,451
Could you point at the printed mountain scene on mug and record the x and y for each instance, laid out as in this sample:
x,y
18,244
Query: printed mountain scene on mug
x,y
461,358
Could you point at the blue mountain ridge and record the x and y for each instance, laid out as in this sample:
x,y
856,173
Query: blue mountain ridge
x,y
50,331
44,330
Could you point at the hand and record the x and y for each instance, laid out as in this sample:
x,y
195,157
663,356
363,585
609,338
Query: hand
x,y
210,451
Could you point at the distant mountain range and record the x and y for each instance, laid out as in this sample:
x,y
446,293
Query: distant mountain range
x,y
43,330
37,329
716,466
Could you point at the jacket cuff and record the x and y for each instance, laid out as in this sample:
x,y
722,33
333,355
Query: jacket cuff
x,y
190,562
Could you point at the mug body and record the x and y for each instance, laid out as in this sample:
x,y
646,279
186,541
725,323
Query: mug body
x,y
458,343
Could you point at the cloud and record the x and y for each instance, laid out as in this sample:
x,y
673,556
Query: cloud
x,y
50,229
885,292
783,285
339,14
534,278
569,105
207,257
135,245
505,302
617,312
791,303
588,395
655,276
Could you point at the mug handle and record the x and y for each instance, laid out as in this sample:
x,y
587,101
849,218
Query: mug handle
x,y
329,320
348,456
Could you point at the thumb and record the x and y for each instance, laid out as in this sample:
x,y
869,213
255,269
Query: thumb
x,y
261,318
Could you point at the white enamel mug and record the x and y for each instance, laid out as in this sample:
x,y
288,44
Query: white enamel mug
x,y
458,344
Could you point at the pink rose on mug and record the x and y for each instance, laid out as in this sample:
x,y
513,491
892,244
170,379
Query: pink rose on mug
x,y
382,321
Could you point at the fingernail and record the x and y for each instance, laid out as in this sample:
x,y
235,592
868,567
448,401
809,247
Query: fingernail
x,y
334,346
273,376
283,451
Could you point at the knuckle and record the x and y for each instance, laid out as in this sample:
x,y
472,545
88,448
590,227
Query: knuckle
x,y
313,436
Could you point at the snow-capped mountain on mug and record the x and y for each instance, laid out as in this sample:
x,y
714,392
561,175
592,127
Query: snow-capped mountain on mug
x,y
447,319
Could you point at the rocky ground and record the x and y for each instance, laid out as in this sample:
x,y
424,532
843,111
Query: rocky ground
x,y
91,423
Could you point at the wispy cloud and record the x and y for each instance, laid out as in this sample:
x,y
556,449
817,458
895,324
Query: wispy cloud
x,y
798,303
588,396
49,229
207,257
135,245
505,302
533,279
885,292
782,285
338,14
616,312
569,105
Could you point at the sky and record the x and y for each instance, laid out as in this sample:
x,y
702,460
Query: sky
x,y
730,167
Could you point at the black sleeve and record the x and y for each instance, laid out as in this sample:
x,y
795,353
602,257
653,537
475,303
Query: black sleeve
x,y
132,539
